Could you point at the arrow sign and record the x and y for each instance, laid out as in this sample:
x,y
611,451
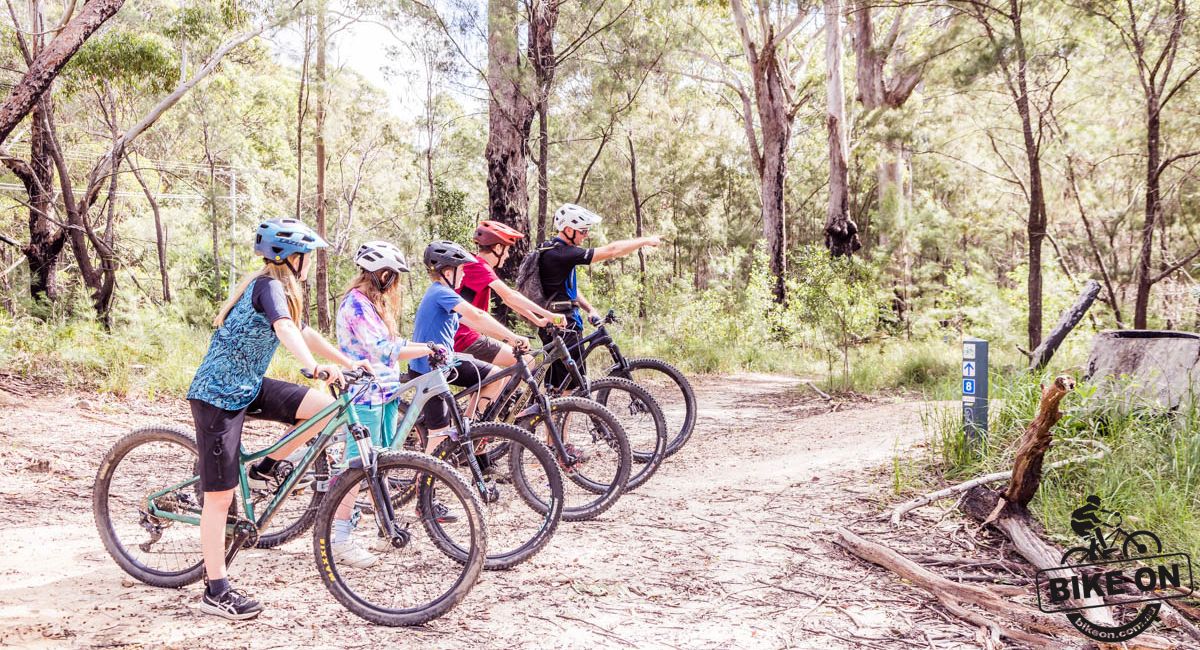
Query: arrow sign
x,y
968,369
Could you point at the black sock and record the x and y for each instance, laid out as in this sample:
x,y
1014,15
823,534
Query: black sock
x,y
265,466
218,587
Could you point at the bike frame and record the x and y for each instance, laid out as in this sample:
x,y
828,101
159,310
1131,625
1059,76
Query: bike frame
x,y
343,415
600,338
556,350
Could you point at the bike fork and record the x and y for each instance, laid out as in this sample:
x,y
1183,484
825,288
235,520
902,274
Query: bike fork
x,y
468,446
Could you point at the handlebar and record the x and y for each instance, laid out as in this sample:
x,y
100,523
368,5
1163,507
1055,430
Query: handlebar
x,y
608,319
351,375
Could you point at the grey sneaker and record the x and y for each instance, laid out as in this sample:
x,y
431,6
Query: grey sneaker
x,y
232,604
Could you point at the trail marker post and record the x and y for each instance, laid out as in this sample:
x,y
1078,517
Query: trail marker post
x,y
975,389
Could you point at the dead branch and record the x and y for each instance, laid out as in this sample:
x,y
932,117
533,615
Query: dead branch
x,y
952,595
908,506
1027,468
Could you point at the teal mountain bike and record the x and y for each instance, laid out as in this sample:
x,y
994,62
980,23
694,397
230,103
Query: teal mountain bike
x,y
147,503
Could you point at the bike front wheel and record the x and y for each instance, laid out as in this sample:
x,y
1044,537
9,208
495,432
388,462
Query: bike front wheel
x,y
522,493
404,578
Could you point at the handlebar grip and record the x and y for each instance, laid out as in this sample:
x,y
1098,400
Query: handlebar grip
x,y
308,374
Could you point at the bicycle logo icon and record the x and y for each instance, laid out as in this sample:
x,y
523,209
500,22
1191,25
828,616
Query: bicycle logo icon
x,y
1116,567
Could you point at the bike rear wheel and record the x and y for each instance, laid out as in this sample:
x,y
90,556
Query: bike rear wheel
x,y
594,485
643,421
412,580
673,392
522,495
156,550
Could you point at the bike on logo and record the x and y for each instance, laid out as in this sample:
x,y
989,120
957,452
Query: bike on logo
x,y
1087,523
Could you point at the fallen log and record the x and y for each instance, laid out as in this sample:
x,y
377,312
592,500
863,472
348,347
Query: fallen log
x,y
1067,322
953,595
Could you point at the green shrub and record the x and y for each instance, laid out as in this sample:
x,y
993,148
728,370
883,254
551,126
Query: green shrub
x,y
1151,474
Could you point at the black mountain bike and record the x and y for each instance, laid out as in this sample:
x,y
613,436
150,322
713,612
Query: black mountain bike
x,y
599,463
669,387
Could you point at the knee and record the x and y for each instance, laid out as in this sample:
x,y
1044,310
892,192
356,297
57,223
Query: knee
x,y
313,402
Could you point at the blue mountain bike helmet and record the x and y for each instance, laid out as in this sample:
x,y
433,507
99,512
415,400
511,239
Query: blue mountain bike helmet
x,y
278,239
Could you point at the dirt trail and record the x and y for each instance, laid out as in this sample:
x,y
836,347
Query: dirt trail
x,y
725,546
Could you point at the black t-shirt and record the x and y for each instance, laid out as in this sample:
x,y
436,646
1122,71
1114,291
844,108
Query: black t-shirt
x,y
557,269
269,299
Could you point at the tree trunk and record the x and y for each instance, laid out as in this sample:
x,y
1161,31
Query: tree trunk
x,y
543,161
1153,207
45,241
50,61
637,214
510,115
160,233
213,219
1035,228
775,123
543,20
1070,318
841,233
301,112
322,279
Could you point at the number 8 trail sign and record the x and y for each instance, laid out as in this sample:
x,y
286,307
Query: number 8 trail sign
x,y
975,389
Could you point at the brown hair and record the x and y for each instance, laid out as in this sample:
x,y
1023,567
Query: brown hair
x,y
387,303
291,289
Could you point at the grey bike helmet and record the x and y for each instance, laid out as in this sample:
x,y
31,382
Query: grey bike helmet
x,y
446,254
380,255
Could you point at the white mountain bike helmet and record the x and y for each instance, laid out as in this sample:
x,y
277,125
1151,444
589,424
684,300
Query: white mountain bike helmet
x,y
573,216
376,255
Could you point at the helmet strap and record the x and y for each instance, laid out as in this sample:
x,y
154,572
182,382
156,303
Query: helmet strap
x,y
287,261
382,285
574,234
491,250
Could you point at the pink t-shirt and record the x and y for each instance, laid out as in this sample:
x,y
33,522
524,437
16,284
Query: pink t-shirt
x,y
476,289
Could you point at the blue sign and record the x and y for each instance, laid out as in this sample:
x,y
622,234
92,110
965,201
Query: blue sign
x,y
975,388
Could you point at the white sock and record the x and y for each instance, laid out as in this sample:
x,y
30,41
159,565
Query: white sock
x,y
341,530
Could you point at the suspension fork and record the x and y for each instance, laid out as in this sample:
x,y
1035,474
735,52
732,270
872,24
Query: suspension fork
x,y
543,402
466,442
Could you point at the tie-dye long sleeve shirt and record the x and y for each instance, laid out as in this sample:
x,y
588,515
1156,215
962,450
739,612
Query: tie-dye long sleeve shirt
x,y
363,336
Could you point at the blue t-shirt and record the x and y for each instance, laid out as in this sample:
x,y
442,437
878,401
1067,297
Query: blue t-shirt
x,y
436,321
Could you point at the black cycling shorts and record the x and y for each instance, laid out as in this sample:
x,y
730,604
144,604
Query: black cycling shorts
x,y
219,432
469,374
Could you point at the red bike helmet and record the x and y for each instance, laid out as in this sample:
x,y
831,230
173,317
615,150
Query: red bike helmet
x,y
490,233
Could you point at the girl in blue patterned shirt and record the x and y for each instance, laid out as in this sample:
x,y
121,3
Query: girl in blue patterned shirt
x,y
264,310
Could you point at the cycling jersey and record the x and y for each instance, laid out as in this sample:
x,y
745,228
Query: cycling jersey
x,y
436,321
476,289
363,336
240,351
557,268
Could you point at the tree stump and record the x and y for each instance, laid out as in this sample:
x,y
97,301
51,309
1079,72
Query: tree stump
x,y
1163,367
1027,467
